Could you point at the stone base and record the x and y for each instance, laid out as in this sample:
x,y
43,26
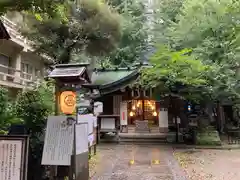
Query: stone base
x,y
163,129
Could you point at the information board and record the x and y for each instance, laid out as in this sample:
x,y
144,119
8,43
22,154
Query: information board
x,y
81,138
91,120
81,152
87,118
13,157
58,144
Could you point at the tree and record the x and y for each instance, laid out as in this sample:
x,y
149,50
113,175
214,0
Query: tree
x,y
33,107
171,68
165,14
7,117
210,29
92,27
40,6
133,43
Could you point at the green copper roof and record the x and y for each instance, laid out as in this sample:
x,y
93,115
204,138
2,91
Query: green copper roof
x,y
104,77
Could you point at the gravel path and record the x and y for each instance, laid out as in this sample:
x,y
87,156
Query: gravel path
x,y
137,162
210,164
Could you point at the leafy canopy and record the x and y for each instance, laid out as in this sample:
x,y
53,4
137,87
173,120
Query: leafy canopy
x,y
174,67
133,42
211,30
90,26
40,6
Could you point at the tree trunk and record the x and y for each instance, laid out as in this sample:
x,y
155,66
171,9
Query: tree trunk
x,y
220,118
93,62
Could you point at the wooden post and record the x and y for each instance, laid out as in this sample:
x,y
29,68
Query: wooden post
x,y
177,129
53,169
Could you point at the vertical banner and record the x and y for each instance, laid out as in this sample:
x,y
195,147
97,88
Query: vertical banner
x,y
123,113
81,151
163,118
87,118
91,120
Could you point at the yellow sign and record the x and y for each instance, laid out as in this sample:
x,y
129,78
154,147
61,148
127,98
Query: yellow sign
x,y
68,102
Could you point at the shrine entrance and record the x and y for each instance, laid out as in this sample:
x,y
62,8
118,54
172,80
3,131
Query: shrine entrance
x,y
142,110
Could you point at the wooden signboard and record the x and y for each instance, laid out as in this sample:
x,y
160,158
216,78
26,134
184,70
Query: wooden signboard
x,y
13,157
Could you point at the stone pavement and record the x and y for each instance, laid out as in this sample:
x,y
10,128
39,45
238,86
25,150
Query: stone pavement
x,y
137,162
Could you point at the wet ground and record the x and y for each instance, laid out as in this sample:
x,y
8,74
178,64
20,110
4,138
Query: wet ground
x,y
137,162
207,164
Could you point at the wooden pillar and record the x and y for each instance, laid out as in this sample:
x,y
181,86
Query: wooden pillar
x,y
53,169
143,108
220,118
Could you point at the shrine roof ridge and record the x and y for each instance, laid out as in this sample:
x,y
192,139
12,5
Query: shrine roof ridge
x,y
115,69
71,65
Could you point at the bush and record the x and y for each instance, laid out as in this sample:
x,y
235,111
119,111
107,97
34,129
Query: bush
x,y
7,118
33,107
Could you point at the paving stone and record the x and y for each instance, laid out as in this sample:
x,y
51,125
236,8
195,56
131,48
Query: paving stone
x,y
115,163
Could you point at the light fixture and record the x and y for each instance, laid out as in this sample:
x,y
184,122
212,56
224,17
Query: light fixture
x,y
154,113
131,114
138,104
134,108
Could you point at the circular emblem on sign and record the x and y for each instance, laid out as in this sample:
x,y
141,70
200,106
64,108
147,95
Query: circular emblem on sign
x,y
70,100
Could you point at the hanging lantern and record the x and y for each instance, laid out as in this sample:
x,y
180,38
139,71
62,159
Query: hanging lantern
x,y
131,114
154,113
139,103
134,107
68,102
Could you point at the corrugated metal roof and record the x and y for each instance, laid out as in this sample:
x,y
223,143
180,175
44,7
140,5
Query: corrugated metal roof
x,y
67,72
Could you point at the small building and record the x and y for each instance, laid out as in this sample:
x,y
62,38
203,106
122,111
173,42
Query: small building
x,y
129,110
139,110
20,66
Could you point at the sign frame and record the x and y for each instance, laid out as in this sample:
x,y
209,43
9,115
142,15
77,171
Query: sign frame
x,y
24,151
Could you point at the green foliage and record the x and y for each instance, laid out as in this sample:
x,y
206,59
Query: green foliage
x,y
175,67
7,118
40,6
133,43
92,27
32,109
165,15
46,91
211,30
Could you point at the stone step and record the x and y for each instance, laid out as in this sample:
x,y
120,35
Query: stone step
x,y
154,130
142,141
146,135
